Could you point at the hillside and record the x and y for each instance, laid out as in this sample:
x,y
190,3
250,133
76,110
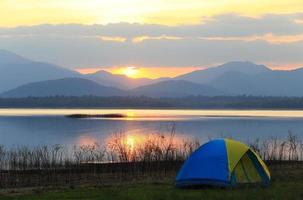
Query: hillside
x,y
63,87
175,88
16,71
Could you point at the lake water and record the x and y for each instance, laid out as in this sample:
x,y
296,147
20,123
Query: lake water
x,y
50,126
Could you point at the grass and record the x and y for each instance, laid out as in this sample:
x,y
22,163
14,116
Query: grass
x,y
152,191
287,183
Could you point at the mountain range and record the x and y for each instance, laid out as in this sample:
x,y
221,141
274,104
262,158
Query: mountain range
x,y
22,77
16,71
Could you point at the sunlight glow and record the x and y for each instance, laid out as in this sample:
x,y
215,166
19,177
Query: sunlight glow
x,y
130,142
143,72
161,37
130,71
130,115
87,70
112,39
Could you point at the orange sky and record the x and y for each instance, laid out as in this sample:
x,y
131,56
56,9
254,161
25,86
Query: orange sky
x,y
285,66
157,72
144,72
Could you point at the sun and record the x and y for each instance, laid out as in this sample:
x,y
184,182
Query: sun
x,y
130,71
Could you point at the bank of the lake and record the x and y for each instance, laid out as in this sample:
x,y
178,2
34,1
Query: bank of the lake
x,y
287,183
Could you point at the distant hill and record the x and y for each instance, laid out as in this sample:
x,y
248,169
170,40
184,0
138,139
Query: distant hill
x,y
120,81
271,83
235,83
16,71
63,87
210,74
246,78
7,57
175,88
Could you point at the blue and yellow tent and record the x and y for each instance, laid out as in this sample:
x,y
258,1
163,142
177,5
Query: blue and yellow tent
x,y
223,162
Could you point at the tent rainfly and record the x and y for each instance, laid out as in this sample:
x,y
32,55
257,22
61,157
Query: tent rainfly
x,y
223,162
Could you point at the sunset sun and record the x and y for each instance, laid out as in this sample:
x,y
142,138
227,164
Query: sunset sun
x,y
130,71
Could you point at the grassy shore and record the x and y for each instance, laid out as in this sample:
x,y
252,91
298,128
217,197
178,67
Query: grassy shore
x,y
152,191
287,183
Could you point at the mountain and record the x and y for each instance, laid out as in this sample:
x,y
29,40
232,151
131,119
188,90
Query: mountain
x,y
175,88
120,81
239,78
7,57
270,83
210,74
279,83
63,87
236,83
16,71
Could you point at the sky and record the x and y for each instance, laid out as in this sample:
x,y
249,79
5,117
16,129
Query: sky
x,y
156,38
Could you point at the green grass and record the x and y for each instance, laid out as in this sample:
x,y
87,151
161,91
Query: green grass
x,y
277,190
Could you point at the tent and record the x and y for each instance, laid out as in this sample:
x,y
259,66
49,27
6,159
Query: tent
x,y
223,162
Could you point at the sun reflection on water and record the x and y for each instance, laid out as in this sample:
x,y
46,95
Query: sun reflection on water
x,y
154,146
130,142
86,140
130,115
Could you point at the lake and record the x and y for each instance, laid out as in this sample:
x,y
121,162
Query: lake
x,y
34,127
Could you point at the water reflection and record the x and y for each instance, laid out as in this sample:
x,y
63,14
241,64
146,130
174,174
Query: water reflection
x,y
130,115
151,146
39,130
156,113
86,140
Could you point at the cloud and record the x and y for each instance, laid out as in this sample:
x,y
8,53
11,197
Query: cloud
x,y
265,39
222,25
161,37
270,38
113,39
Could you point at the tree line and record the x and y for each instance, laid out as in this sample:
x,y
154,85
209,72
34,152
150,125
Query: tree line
x,y
206,102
